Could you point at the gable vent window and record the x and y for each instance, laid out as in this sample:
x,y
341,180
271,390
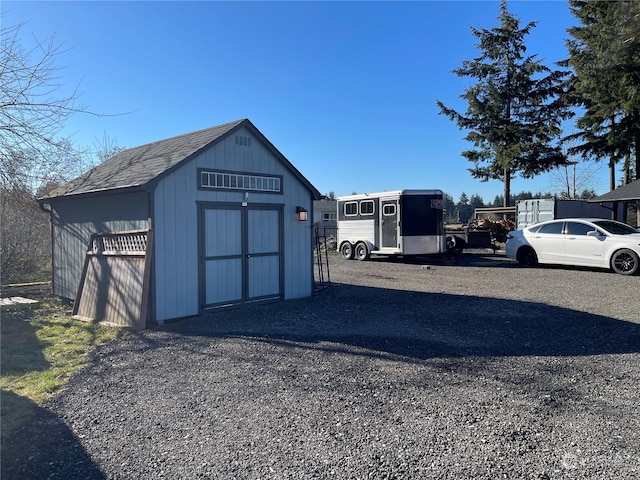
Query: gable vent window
x,y
243,141
210,180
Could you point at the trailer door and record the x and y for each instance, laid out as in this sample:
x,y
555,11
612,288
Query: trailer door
x,y
389,214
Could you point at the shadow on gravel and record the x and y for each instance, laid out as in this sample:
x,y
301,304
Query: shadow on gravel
x,y
480,259
422,325
465,259
43,448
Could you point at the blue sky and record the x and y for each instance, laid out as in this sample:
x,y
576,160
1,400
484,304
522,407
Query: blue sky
x,y
345,90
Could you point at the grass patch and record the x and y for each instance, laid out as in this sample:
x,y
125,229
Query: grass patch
x,y
40,349
40,276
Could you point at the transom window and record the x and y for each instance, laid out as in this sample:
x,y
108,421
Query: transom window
x,y
240,181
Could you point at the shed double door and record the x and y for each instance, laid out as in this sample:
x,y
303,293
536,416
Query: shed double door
x,y
241,254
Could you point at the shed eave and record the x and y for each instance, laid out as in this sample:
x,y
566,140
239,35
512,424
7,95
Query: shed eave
x,y
94,193
626,193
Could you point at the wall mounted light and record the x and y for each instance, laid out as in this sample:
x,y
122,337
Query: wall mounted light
x,y
302,213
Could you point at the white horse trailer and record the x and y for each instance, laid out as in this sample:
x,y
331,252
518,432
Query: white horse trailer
x,y
401,222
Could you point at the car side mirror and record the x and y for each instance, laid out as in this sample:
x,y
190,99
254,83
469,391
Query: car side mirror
x,y
594,233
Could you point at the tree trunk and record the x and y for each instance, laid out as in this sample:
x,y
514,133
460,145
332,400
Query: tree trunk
x,y
626,173
612,161
507,188
612,174
637,145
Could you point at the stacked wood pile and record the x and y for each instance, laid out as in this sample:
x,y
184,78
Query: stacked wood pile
x,y
499,228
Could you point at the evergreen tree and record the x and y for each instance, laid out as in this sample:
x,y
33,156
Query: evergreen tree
x,y
605,56
587,194
476,201
450,212
465,210
514,111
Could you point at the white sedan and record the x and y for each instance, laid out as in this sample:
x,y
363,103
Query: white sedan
x,y
589,242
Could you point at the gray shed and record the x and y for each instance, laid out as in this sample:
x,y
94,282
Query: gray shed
x,y
223,205
626,193
627,196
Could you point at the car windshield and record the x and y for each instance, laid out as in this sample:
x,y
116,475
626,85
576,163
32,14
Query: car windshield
x,y
616,228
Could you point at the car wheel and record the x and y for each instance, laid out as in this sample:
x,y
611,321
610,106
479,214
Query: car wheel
x,y
347,251
625,262
527,257
361,251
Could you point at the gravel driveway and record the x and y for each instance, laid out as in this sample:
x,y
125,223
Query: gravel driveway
x,y
422,369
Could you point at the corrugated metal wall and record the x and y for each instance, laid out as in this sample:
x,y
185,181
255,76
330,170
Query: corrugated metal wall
x,y
176,223
73,222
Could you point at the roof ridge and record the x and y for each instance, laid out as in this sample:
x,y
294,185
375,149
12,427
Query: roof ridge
x,y
216,127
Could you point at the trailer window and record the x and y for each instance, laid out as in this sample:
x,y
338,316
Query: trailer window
x,y
389,210
366,207
350,209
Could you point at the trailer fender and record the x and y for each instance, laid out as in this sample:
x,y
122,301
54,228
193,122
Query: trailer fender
x,y
370,246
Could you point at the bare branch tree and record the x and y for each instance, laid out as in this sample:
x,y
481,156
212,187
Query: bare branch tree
x,y
33,159
571,181
33,111
105,148
575,179
24,236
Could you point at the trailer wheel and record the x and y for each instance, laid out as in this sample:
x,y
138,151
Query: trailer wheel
x,y
346,250
455,243
451,242
361,251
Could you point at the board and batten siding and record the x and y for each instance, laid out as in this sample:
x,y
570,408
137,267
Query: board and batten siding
x,y
176,198
74,220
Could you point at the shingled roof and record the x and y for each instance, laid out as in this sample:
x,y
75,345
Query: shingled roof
x,y
628,192
136,168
